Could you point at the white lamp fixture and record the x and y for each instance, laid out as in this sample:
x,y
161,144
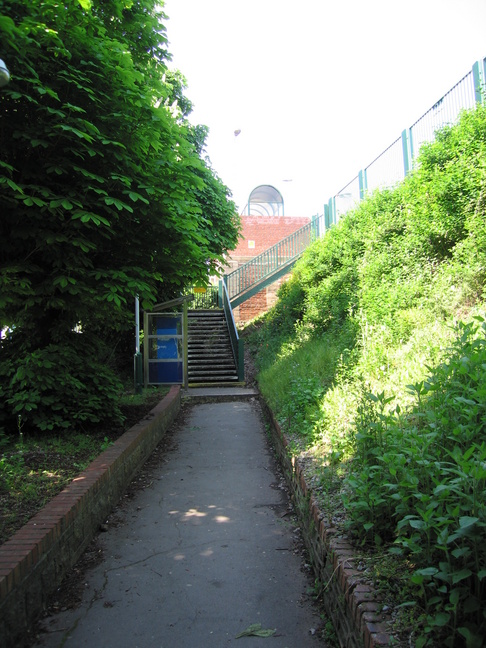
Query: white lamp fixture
x,y
4,74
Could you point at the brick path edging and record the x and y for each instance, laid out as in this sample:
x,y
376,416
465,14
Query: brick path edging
x,y
34,560
352,605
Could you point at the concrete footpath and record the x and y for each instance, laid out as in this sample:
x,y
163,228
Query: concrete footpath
x,y
206,551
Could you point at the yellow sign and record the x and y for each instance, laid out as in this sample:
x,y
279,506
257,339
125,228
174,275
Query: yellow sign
x,y
199,290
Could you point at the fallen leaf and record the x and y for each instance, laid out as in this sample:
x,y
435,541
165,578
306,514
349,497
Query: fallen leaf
x,y
256,630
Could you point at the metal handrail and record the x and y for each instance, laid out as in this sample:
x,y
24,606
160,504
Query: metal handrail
x,y
270,261
206,299
236,341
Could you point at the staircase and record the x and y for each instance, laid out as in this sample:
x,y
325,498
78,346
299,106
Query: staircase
x,y
210,356
265,268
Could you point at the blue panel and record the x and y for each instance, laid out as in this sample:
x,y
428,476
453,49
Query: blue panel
x,y
166,325
167,349
165,372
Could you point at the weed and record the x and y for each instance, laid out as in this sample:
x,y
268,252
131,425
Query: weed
x,y
385,401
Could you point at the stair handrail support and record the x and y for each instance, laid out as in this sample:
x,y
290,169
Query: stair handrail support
x,y
273,258
237,344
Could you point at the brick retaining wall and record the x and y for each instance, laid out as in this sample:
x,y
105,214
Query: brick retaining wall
x,y
34,560
351,604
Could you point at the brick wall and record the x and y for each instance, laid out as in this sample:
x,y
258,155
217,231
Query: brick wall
x,y
258,234
264,231
34,560
352,605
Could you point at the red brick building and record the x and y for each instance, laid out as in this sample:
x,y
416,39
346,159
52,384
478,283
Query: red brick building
x,y
258,234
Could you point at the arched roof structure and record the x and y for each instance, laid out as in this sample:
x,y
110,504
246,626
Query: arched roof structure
x,y
265,200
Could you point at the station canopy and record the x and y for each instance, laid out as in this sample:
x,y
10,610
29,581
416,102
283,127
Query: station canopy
x,y
265,200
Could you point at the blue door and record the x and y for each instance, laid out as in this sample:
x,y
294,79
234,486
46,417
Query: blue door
x,y
165,349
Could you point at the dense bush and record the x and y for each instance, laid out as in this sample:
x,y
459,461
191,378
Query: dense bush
x,y
380,377
418,480
60,386
105,193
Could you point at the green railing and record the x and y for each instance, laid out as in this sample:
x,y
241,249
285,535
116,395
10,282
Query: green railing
x,y
236,341
206,298
254,275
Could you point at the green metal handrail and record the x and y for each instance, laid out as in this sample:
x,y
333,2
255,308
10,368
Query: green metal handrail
x,y
204,300
236,341
272,261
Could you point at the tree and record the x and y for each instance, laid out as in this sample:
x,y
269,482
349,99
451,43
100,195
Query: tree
x,y
104,193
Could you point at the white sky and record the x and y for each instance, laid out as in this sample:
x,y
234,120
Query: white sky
x,y
318,88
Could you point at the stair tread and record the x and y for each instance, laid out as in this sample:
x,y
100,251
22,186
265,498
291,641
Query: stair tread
x,y
210,354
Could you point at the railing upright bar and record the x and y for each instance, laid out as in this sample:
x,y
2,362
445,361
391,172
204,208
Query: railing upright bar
x,y
237,343
269,261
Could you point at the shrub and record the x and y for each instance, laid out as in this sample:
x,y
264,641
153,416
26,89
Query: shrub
x,y
419,479
59,386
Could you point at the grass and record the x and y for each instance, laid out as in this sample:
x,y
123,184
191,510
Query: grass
x,y
35,468
374,362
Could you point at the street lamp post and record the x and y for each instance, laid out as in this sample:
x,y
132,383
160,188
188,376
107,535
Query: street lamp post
x,y
137,360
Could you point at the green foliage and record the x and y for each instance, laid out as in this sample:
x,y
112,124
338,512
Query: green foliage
x,y
60,386
419,478
105,192
35,466
361,364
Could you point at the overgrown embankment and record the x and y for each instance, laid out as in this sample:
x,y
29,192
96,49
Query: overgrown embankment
x,y
374,360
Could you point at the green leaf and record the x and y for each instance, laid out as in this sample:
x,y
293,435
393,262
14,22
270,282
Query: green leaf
x,y
427,571
457,577
255,630
441,619
85,4
14,186
472,640
118,204
7,25
136,196
407,604
76,131
466,521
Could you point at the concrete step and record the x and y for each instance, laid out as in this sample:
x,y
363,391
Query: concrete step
x,y
210,355
221,362
207,345
204,378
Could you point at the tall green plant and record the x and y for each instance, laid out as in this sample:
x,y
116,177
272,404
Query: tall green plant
x,y
401,419
105,190
420,478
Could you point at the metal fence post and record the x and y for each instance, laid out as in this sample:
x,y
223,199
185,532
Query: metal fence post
x,y
137,358
332,210
363,183
326,217
407,147
146,348
478,71
220,293
185,344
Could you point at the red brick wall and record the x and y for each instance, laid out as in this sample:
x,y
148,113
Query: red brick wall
x,y
253,306
36,558
263,231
